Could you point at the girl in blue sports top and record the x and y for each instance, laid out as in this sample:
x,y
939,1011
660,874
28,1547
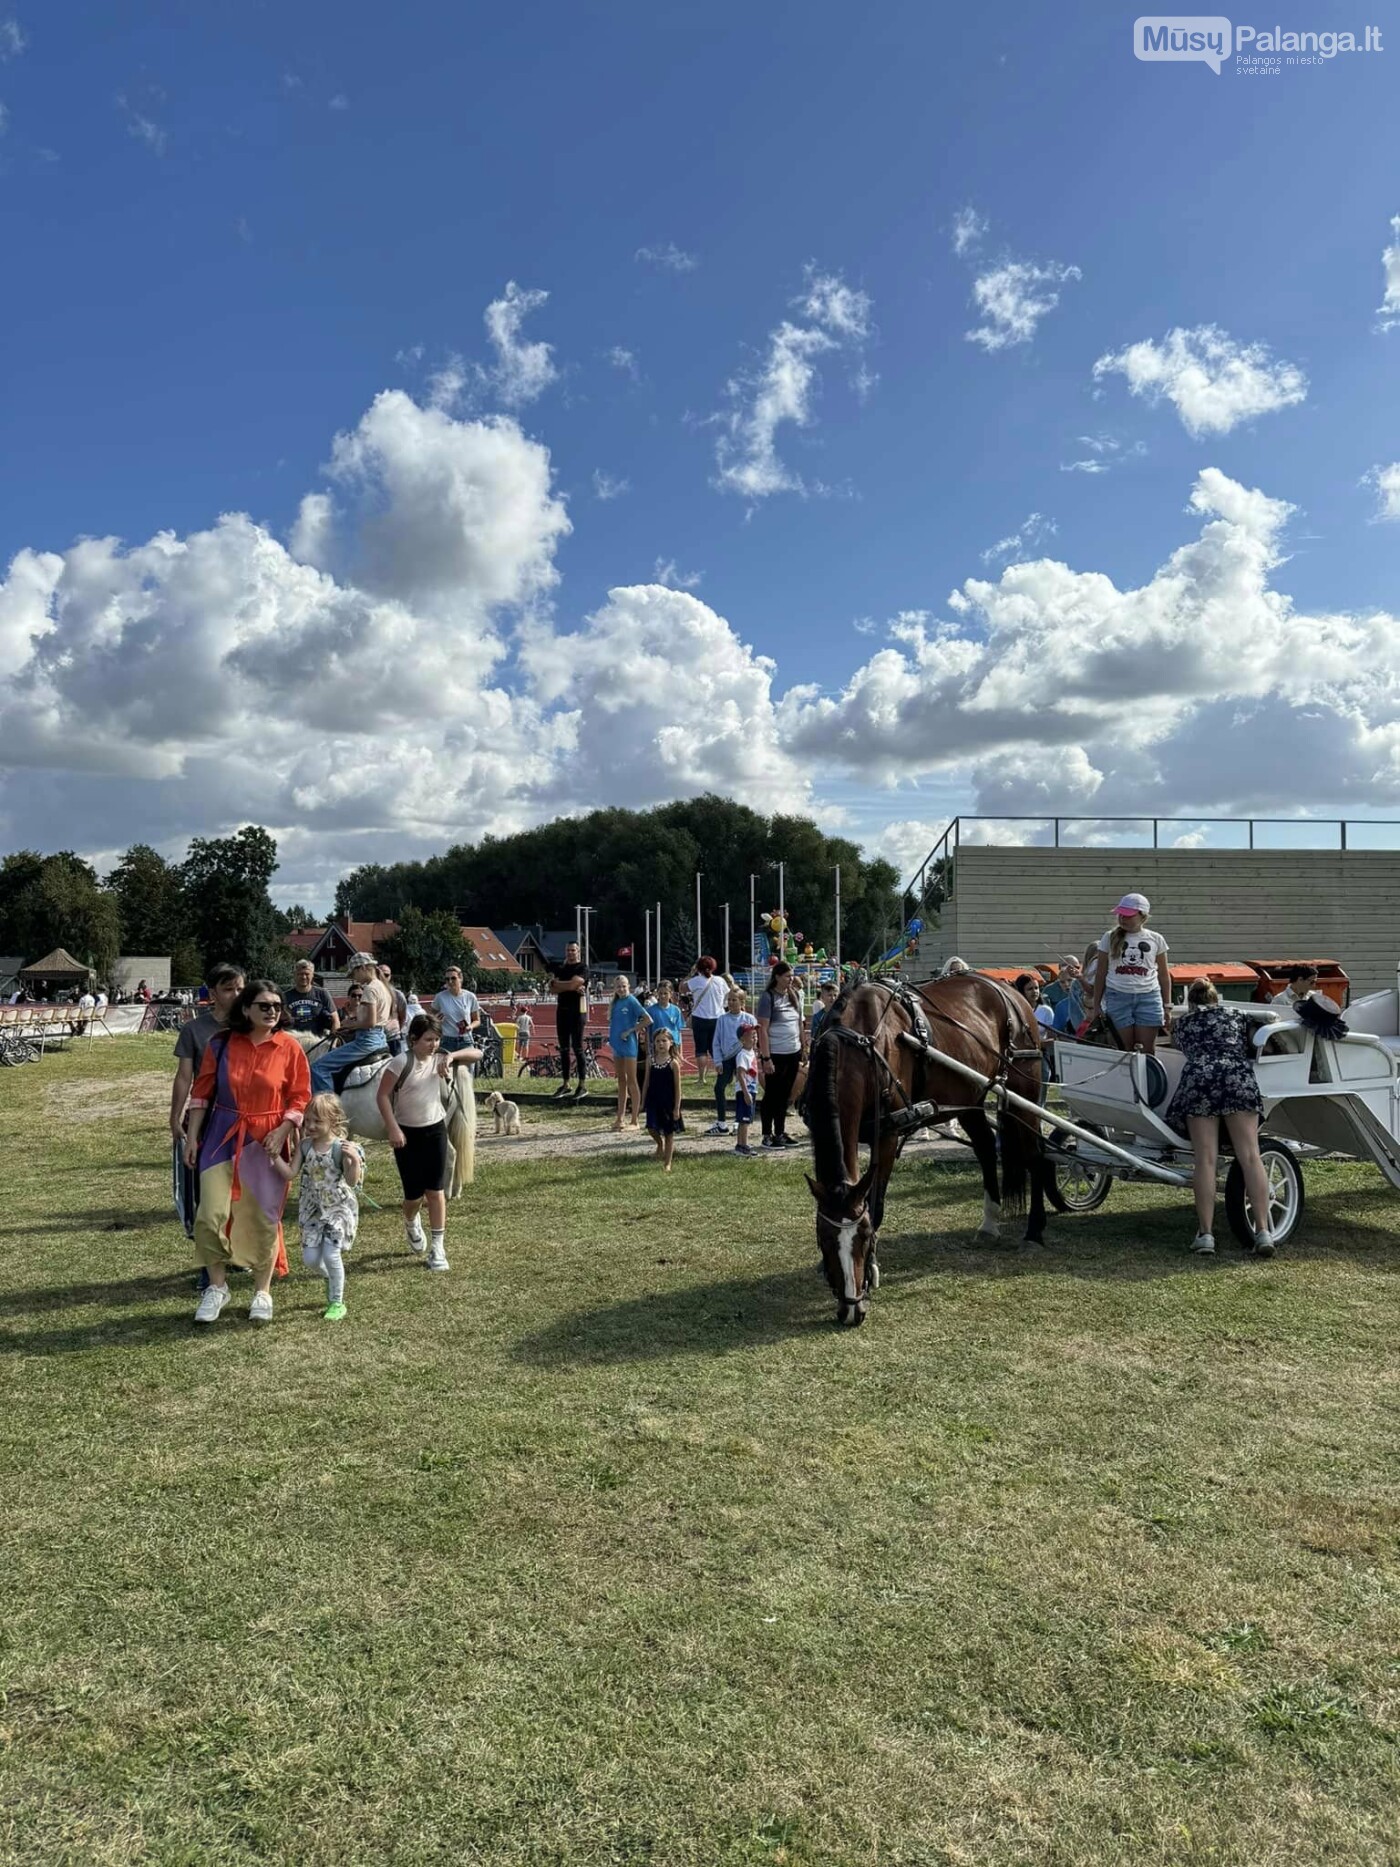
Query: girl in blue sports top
x,y
626,1016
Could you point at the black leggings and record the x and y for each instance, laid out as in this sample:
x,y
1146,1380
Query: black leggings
x,y
724,1076
777,1092
569,1025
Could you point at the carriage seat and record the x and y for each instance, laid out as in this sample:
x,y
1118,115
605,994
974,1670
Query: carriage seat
x,y
357,1074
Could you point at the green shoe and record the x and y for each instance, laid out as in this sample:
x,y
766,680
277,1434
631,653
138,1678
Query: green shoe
x,y
335,1313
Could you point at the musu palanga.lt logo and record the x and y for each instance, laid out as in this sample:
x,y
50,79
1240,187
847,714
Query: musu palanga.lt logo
x,y
1209,39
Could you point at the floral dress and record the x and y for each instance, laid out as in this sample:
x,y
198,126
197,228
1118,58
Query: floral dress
x,y
326,1203
1219,1075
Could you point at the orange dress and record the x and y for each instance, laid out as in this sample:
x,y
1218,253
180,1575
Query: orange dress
x,y
248,1089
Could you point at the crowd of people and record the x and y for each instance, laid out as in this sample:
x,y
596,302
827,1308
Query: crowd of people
x,y
249,1114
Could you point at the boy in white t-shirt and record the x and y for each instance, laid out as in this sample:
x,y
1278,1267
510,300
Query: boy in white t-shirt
x,y
745,1088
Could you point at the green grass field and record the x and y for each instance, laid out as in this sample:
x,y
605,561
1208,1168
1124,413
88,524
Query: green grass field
x,y
608,1547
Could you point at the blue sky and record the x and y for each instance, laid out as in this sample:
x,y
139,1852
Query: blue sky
x,y
232,227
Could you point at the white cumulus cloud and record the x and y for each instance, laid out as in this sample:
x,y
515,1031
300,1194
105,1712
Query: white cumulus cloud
x,y
1213,382
1033,530
613,678
522,371
969,228
1386,481
666,258
1013,297
831,316
1388,315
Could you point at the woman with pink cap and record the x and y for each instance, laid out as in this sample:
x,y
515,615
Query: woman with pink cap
x,y
1131,983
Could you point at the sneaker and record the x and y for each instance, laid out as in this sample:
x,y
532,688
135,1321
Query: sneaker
x,y
787,1140
1203,1244
718,1127
747,1152
415,1239
1264,1245
437,1259
260,1309
560,1093
333,1312
211,1304
580,1093
768,1141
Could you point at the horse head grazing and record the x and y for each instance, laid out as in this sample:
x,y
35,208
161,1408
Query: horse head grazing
x,y
846,1237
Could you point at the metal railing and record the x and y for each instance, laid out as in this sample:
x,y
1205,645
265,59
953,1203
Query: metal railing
x,y
940,864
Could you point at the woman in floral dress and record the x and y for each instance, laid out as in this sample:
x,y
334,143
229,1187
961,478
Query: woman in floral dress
x,y
245,1111
1218,1084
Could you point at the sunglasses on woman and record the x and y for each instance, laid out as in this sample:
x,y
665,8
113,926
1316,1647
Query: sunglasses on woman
x,y
273,1005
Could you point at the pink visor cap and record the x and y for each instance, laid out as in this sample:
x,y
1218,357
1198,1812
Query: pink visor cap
x,y
1133,904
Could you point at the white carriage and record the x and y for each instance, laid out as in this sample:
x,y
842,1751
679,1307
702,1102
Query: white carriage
x,y
1321,1096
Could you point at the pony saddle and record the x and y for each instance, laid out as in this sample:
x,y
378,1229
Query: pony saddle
x,y
362,1071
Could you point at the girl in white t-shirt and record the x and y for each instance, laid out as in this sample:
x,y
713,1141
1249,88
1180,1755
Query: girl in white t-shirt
x,y
1131,982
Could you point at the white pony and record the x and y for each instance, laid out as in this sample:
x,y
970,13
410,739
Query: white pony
x,y
459,1107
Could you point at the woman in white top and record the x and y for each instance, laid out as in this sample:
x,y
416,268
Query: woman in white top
x,y
1131,982
709,990
782,1051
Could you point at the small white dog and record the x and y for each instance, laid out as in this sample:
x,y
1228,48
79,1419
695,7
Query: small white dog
x,y
507,1113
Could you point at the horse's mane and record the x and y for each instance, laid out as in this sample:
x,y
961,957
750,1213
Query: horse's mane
x,y
823,1111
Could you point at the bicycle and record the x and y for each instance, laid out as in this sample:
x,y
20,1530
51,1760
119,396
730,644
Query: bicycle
x,y
16,1048
547,1063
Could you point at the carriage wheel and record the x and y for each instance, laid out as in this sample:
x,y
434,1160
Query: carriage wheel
x,y
1082,1188
1285,1178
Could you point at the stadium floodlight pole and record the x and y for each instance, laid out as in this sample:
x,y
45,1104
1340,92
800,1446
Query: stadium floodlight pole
x,y
838,920
726,937
660,963
578,926
753,928
699,937
782,900
646,917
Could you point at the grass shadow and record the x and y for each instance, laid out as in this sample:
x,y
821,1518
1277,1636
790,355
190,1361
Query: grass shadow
x,y
102,1219
737,1314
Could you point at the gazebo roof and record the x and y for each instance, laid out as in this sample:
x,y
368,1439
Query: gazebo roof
x,y
60,964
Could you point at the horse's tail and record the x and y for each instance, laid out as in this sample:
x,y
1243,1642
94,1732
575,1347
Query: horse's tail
x,y
461,1133
1019,1147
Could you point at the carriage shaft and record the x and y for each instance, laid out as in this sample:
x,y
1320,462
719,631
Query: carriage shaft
x,y
1170,1176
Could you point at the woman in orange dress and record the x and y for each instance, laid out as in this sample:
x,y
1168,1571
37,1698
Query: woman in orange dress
x,y
245,1110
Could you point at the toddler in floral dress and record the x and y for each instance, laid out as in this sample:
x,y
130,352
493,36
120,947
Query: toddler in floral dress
x,y
332,1166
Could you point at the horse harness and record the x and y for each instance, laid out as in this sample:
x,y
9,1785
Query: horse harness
x,y
918,1113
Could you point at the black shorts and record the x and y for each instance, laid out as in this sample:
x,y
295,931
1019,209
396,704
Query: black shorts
x,y
703,1031
422,1160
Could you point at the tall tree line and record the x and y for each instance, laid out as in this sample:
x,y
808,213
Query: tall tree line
x,y
214,905
620,862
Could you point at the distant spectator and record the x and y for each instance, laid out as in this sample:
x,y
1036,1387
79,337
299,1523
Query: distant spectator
x,y
826,998
310,1006
782,1051
626,1016
735,1029
1057,990
708,989
955,968
1028,985
665,1016
458,1009
1300,985
362,1033
398,1022
87,1004
524,1031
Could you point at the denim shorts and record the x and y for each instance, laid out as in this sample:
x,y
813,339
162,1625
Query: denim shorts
x,y
1143,1009
743,1106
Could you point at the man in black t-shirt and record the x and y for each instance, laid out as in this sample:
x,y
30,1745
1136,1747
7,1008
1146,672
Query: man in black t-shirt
x,y
310,1006
569,984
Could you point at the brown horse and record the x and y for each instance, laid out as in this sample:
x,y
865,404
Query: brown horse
x,y
864,1085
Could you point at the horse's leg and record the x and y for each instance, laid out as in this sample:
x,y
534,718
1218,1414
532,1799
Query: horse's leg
x,y
984,1145
885,1156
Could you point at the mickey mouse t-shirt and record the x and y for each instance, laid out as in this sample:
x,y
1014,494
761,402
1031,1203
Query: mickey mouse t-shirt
x,y
1135,968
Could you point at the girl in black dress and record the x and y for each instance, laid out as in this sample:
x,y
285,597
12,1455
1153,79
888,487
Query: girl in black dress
x,y
1218,1084
662,1109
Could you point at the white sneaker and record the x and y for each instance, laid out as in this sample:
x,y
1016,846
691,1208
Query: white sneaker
x,y
1203,1244
413,1236
718,1127
437,1259
211,1303
1265,1245
260,1309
